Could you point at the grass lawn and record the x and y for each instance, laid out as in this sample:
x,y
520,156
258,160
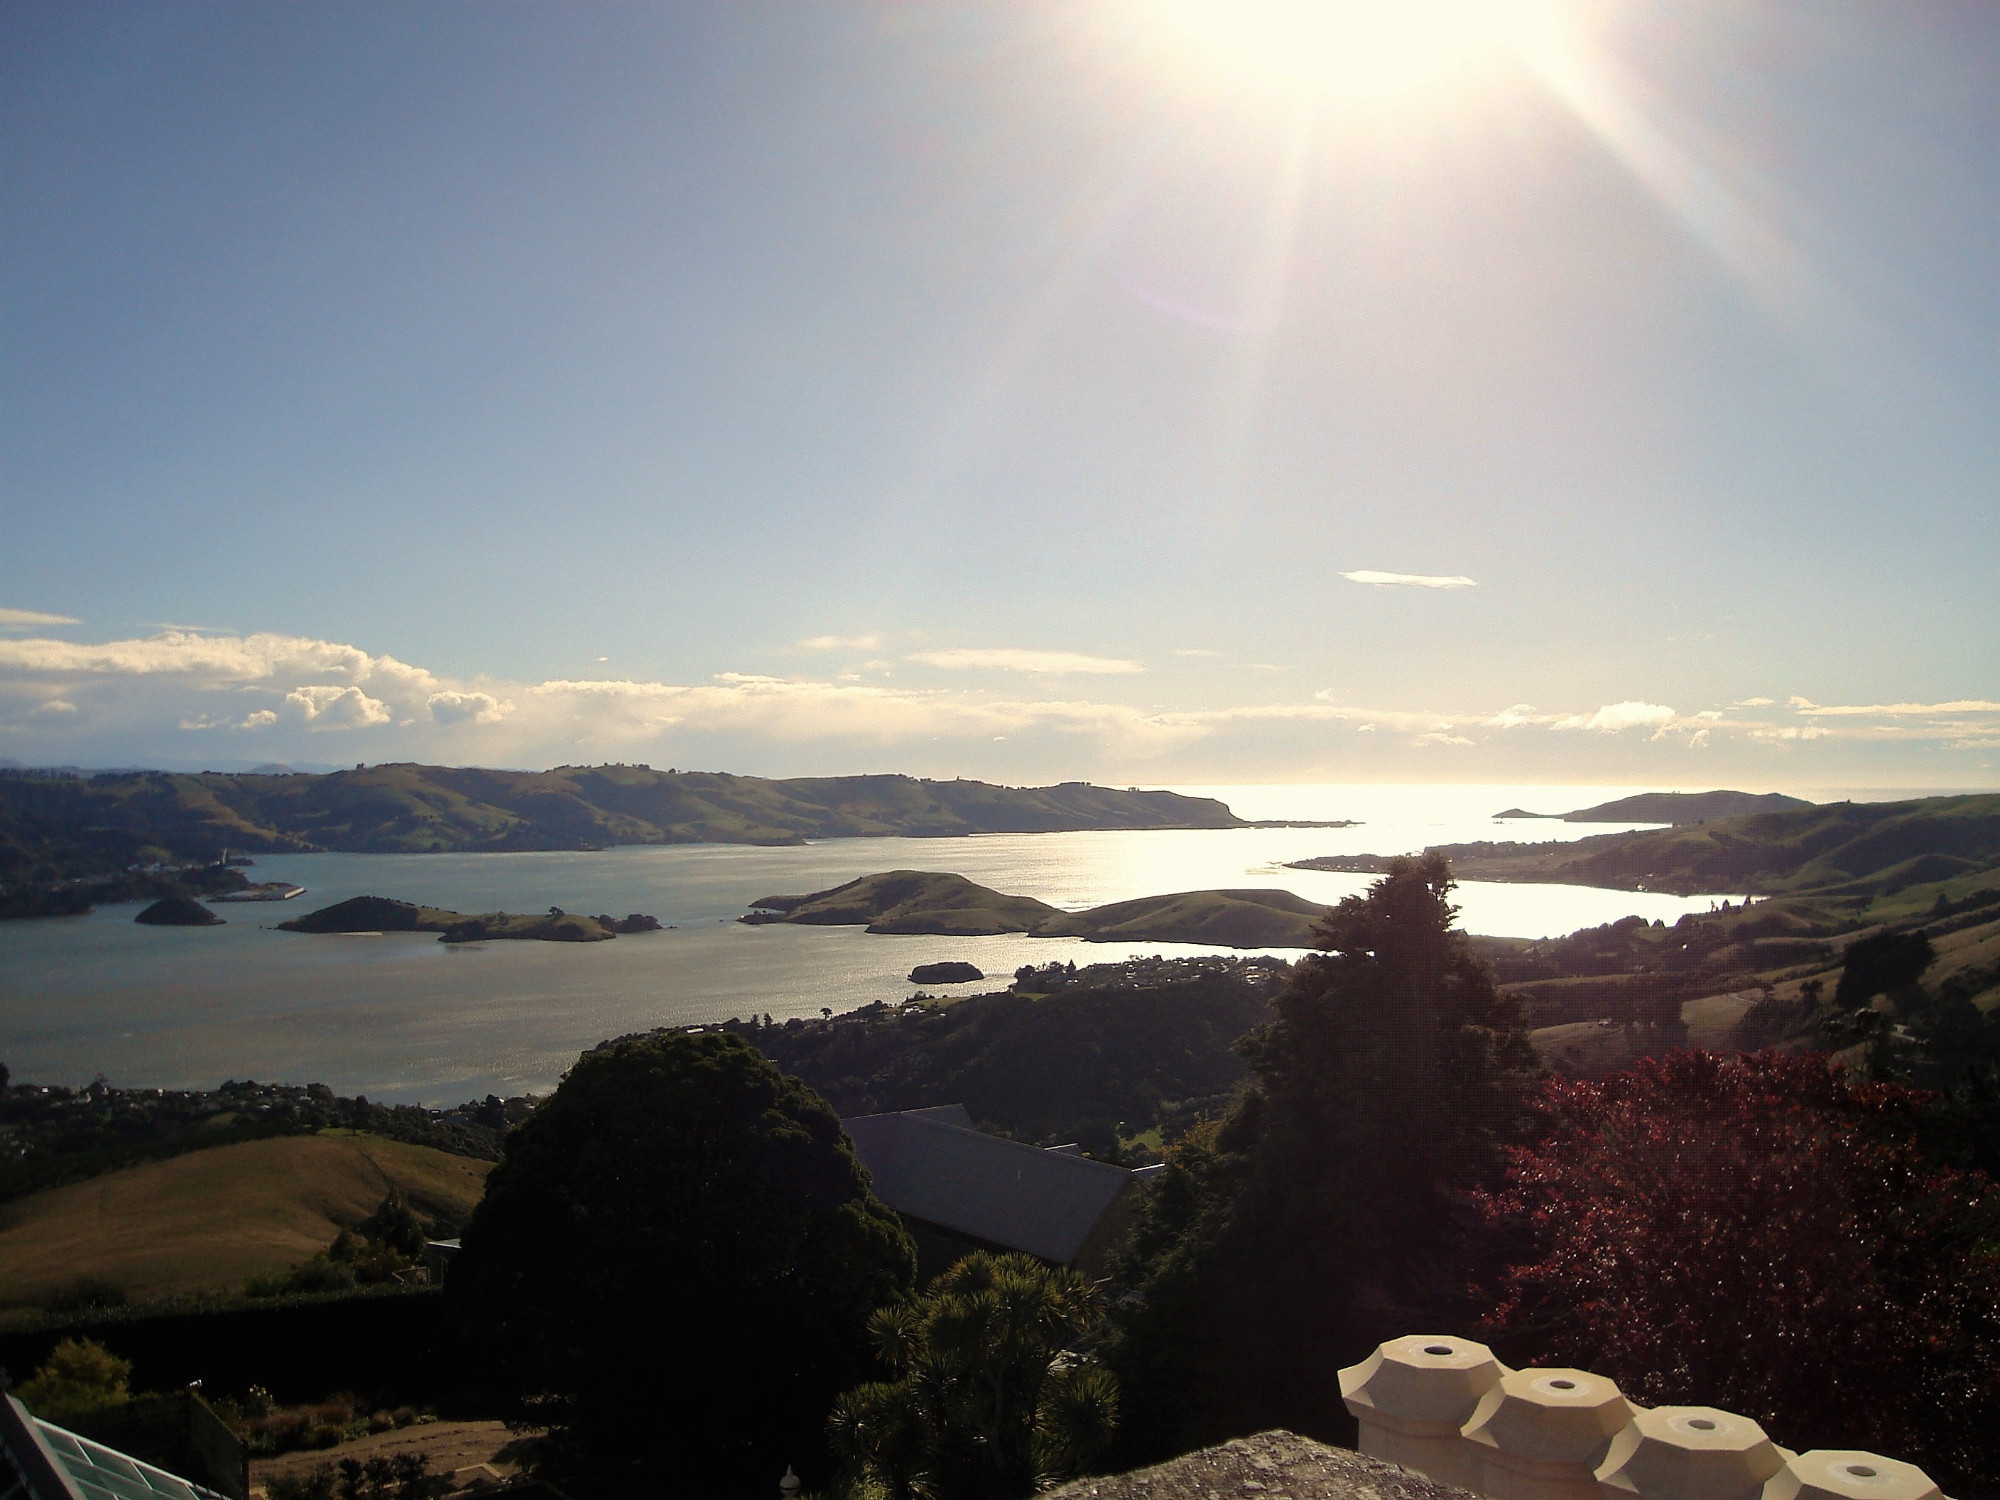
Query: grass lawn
x,y
206,1221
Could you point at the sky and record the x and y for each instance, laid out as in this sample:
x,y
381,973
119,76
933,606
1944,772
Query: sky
x,y
1143,392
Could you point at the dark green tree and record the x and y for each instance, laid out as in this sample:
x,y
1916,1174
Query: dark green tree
x,y
1330,1210
673,1269
1887,963
985,1405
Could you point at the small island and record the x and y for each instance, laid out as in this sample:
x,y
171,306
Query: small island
x,y
178,911
949,972
933,902
381,914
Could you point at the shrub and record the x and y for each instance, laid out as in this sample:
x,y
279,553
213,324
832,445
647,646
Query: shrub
x,y
1761,1233
80,1376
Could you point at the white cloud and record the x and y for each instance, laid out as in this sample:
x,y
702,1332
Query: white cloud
x,y
1441,739
1413,580
28,619
1201,651
1895,710
1003,659
326,707
1614,718
54,706
1753,703
840,642
1518,715
262,719
454,707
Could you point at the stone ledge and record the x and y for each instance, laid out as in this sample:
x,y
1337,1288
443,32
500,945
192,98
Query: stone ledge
x,y
1269,1466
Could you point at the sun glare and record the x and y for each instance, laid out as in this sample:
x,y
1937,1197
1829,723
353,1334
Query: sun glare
x,y
1354,49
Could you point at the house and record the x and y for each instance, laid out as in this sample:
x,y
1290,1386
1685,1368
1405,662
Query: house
x,y
958,1188
41,1461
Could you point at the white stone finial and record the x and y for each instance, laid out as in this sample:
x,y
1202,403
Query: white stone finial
x,y
788,1487
1843,1474
1413,1394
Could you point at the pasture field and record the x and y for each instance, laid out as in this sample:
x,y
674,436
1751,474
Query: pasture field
x,y
208,1220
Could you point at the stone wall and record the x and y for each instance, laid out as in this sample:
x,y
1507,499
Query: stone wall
x,y
1448,1409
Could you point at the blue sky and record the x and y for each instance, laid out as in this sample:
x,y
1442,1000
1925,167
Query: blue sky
x,y
1003,390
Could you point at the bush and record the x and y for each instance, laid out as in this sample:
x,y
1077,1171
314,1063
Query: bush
x,y
1764,1234
81,1376
984,1406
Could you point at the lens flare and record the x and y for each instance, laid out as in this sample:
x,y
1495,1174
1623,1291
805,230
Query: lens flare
x,y
1355,49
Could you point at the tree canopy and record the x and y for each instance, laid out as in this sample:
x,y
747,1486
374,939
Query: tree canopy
x,y
983,1407
1761,1233
673,1268
1328,1211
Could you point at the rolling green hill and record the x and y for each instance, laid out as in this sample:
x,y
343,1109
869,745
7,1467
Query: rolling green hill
x,y
1863,850
922,901
1684,807
206,1221
52,828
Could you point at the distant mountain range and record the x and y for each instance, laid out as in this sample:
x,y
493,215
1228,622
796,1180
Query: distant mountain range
x,y
1671,807
54,828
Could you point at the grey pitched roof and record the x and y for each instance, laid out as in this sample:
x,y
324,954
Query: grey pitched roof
x,y
932,1165
41,1461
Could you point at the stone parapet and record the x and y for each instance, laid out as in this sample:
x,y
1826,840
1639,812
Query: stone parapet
x,y
1445,1408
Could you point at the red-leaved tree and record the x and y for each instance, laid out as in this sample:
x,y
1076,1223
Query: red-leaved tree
x,y
1760,1233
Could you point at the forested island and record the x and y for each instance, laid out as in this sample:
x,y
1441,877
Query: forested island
x,y
380,914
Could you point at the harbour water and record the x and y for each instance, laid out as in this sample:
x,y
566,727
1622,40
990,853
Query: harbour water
x,y
402,1017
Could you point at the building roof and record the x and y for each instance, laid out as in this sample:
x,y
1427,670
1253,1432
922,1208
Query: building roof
x,y
931,1165
41,1461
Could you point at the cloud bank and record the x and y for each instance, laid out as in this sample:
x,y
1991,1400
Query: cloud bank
x,y
181,698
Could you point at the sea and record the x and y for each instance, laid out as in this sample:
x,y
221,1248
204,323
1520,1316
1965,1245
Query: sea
x,y
403,1018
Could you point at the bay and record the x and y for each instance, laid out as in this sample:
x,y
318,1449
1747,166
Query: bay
x,y
402,1017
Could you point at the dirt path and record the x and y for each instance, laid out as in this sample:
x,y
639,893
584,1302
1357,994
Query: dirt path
x,y
469,1452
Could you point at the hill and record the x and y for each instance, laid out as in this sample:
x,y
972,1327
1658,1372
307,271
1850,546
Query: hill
x,y
908,901
52,828
1684,807
210,1219
922,901
1859,850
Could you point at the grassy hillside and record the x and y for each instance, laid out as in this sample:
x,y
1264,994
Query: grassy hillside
x,y
909,901
1684,807
1229,919
51,828
208,1220
913,901
1862,850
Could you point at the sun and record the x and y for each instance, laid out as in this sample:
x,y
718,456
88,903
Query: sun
x,y
1348,49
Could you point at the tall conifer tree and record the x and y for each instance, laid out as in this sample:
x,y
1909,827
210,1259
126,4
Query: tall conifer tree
x,y
1333,1210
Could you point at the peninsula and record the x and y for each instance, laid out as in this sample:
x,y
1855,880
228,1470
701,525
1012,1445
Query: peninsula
x,y
1670,807
1853,851
70,827
926,901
